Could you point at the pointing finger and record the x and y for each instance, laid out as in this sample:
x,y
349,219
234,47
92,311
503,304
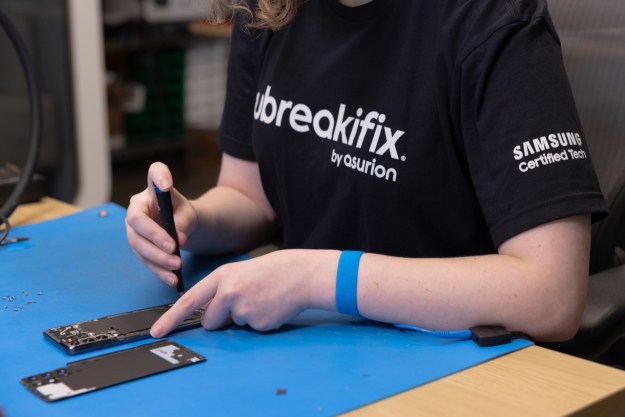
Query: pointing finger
x,y
198,296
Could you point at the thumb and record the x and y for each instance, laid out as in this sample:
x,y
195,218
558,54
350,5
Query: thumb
x,y
160,176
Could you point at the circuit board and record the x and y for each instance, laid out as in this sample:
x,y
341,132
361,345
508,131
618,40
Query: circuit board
x,y
112,330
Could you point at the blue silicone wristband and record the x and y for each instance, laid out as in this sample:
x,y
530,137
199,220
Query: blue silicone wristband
x,y
347,281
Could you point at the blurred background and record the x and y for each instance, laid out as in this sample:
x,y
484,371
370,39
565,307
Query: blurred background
x,y
124,83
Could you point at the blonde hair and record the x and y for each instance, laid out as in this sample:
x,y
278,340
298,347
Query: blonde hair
x,y
269,14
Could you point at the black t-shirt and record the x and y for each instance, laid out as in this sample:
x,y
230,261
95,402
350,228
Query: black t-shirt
x,y
421,128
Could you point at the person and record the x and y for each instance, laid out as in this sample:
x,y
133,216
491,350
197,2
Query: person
x,y
439,137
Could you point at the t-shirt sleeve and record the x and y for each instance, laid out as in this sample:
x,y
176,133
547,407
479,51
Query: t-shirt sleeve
x,y
525,147
235,130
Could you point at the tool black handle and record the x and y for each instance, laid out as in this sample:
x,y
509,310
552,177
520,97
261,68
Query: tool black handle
x,y
166,210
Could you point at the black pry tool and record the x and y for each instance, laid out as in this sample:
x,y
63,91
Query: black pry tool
x,y
166,210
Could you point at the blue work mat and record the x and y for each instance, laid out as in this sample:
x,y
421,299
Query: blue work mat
x,y
80,267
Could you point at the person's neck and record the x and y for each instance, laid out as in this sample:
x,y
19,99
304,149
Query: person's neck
x,y
354,3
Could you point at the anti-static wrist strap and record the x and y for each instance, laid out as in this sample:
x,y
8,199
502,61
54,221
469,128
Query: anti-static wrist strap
x,y
347,281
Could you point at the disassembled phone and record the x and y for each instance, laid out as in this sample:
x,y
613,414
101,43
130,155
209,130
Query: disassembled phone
x,y
113,330
114,368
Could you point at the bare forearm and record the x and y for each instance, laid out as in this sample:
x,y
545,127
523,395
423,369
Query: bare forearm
x,y
457,293
540,292
447,294
228,221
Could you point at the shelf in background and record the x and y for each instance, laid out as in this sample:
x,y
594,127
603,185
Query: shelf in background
x,y
146,150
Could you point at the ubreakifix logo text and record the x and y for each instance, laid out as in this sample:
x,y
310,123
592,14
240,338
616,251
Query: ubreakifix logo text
x,y
355,129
